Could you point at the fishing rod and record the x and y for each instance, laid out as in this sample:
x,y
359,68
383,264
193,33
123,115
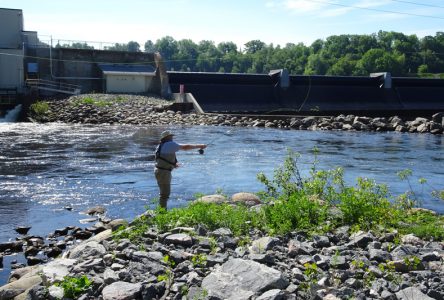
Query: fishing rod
x,y
228,132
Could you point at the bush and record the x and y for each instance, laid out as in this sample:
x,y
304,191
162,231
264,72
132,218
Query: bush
x,y
39,109
73,287
316,204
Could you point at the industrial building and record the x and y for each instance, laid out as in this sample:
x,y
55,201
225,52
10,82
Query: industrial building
x,y
31,67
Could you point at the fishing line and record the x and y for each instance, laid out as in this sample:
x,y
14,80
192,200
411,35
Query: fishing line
x,y
228,132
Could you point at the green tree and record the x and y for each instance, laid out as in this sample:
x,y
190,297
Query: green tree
x,y
133,46
316,65
167,47
254,46
149,47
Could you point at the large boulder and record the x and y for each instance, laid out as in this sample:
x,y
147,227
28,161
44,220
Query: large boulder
x,y
412,293
88,249
248,199
122,291
241,279
57,269
15,288
218,199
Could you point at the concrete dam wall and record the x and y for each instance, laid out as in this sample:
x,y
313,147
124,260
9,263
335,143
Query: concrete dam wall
x,y
276,93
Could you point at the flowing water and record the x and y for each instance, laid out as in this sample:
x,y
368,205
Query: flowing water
x,y
47,167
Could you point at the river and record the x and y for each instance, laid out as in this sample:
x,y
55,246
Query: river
x,y
47,167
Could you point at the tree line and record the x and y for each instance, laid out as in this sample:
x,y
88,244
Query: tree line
x,y
347,55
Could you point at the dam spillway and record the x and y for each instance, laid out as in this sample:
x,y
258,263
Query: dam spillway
x,y
311,95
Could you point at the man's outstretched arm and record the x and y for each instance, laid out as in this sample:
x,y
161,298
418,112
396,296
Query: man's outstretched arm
x,y
191,146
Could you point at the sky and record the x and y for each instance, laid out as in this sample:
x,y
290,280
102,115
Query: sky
x,y
276,22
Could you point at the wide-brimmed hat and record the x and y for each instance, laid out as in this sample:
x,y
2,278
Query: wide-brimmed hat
x,y
165,133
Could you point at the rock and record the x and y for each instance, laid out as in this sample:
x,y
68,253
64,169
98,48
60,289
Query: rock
x,y
96,210
55,292
264,244
61,232
179,239
218,199
15,288
248,199
321,241
379,255
53,252
438,118
122,291
34,260
31,251
299,248
15,246
360,239
116,224
221,232
241,279
22,229
274,294
87,249
412,240
412,293
56,270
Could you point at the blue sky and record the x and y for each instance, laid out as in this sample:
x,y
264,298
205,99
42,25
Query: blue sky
x,y
271,21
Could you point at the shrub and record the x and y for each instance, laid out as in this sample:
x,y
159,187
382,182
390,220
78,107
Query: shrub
x,y
73,287
39,109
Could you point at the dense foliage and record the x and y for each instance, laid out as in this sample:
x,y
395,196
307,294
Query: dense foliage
x,y
319,203
400,54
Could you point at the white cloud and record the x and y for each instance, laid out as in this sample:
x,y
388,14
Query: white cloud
x,y
336,12
303,5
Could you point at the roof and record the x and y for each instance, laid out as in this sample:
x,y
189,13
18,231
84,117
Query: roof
x,y
119,69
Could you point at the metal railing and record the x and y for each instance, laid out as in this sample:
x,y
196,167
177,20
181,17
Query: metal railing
x,y
54,86
8,96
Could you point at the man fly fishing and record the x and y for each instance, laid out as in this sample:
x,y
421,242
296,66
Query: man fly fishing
x,y
166,162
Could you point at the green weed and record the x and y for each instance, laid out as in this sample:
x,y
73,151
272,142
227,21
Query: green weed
x,y
73,287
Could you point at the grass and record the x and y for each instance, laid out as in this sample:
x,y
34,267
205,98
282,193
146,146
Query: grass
x,y
39,108
316,204
97,102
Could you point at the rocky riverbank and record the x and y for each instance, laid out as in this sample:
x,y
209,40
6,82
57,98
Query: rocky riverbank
x,y
133,109
197,263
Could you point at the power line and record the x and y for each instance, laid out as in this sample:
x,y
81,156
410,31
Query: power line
x,y
416,3
377,9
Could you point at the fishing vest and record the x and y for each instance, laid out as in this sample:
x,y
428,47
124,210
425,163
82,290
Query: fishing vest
x,y
166,161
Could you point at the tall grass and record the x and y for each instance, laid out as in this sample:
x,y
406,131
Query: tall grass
x,y
318,203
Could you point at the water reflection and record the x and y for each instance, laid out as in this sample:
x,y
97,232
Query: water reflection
x,y
44,168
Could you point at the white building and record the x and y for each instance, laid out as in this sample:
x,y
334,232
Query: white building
x,y
128,78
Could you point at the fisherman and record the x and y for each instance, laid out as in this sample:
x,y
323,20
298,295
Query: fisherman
x,y
166,161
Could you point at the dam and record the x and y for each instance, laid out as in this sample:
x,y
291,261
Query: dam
x,y
280,93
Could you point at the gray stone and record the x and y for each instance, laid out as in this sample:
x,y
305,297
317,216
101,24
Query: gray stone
x,y
274,294
57,269
264,244
221,232
87,250
122,291
109,276
241,279
299,248
179,239
360,239
321,241
379,255
55,292
15,288
213,199
248,199
412,293
96,210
